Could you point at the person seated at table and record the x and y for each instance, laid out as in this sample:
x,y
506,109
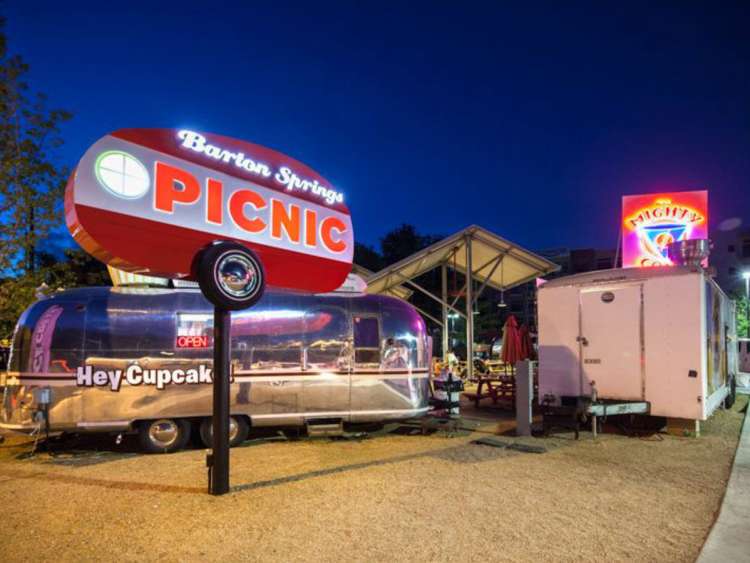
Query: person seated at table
x,y
452,361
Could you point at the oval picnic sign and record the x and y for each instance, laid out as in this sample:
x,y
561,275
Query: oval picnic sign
x,y
148,200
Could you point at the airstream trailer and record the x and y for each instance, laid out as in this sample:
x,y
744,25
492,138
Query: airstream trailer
x,y
139,360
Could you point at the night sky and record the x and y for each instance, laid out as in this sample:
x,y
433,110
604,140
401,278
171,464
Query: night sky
x,y
528,118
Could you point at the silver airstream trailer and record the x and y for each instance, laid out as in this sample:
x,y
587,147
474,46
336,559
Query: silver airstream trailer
x,y
139,360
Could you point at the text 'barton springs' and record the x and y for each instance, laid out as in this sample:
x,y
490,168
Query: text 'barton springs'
x,y
136,375
284,175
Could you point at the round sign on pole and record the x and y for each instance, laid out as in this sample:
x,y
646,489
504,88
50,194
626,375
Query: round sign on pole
x,y
150,200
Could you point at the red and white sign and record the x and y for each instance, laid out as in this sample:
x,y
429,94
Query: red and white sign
x,y
148,200
193,341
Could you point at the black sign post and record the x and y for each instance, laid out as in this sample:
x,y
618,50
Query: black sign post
x,y
232,278
218,469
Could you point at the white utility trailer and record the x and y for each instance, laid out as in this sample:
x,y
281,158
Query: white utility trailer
x,y
658,341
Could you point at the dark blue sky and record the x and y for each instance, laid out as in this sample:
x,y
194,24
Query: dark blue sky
x,y
528,118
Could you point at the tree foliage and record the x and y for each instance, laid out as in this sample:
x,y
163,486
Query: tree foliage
x,y
403,241
31,189
15,295
743,323
367,257
78,268
52,274
31,185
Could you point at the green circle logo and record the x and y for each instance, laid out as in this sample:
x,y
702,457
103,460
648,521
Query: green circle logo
x,y
122,174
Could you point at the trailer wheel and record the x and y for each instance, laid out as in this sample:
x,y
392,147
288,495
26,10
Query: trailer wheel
x,y
230,275
238,431
732,396
163,436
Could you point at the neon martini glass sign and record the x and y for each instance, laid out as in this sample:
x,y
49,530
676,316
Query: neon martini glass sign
x,y
652,222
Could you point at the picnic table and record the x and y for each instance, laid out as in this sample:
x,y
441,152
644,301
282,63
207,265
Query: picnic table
x,y
498,367
498,388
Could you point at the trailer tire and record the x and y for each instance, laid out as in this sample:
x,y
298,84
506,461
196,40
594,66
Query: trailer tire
x,y
732,396
238,431
164,435
230,275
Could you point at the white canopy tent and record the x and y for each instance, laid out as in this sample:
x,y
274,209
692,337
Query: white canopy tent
x,y
491,261
397,291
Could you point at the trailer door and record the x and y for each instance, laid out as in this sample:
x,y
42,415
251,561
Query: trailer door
x,y
327,359
611,342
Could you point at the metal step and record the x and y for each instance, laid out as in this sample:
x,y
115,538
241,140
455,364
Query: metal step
x,y
322,428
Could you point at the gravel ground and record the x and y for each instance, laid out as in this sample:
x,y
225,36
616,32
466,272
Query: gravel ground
x,y
393,496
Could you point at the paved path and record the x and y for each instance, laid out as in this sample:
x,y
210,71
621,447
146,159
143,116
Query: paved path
x,y
729,540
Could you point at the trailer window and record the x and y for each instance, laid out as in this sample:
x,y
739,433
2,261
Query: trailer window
x,y
366,341
323,355
326,342
194,330
366,333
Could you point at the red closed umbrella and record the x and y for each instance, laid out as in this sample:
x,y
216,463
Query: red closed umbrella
x,y
511,342
527,346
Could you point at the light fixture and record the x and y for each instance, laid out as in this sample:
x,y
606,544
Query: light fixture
x,y
746,275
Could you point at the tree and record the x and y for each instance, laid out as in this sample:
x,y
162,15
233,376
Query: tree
x,y
403,241
367,257
52,274
31,189
743,323
31,186
78,268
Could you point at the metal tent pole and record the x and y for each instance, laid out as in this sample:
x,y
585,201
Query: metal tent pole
x,y
619,247
469,311
444,295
